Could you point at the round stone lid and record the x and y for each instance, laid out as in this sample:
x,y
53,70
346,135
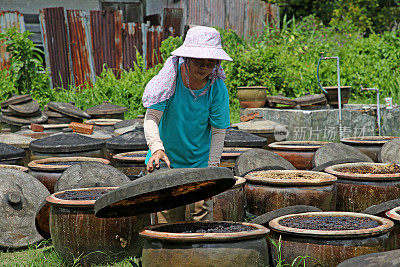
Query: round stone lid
x,y
6,111
382,207
381,259
68,109
16,140
164,190
90,174
260,159
15,100
54,114
280,99
390,151
334,151
8,152
257,126
20,121
20,195
66,143
106,109
237,138
132,140
309,99
25,109
126,123
297,145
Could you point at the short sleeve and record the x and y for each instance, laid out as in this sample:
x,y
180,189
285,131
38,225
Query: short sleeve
x,y
159,106
219,108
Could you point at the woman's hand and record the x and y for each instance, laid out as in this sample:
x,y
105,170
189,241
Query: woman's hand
x,y
155,160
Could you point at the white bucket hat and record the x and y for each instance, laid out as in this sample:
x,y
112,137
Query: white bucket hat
x,y
202,42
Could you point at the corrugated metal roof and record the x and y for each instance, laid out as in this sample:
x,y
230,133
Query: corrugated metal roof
x,y
9,19
81,50
106,33
55,41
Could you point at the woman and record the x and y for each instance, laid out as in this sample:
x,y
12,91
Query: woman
x,y
188,111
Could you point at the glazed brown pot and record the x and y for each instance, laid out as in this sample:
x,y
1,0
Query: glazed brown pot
x,y
77,233
394,215
369,145
356,192
229,205
47,172
252,96
229,156
329,247
265,194
299,153
164,248
332,95
130,163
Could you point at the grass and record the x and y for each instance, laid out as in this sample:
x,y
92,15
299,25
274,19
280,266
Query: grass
x,y
43,254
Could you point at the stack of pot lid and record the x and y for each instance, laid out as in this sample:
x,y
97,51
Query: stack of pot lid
x,y
8,152
309,100
59,112
129,141
66,143
103,124
236,138
21,110
106,110
164,190
280,99
20,196
16,140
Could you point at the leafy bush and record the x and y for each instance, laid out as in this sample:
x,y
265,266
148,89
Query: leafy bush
x,y
26,66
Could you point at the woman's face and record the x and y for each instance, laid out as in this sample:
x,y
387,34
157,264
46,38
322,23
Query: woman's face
x,y
201,68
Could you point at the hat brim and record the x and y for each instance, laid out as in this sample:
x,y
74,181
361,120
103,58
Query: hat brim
x,y
201,52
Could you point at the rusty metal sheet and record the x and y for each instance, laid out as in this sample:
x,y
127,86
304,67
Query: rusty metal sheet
x,y
81,50
9,19
131,42
55,42
154,37
172,21
106,34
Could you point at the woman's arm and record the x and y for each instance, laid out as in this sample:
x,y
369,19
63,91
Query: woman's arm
x,y
217,144
152,135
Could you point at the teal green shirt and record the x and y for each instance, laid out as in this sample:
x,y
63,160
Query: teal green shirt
x,y
185,127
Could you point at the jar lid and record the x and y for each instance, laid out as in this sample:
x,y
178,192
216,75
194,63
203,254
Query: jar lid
x,y
66,143
105,109
334,151
8,152
132,140
308,99
237,138
28,108
163,190
280,99
382,259
20,195
90,174
68,109
16,140
390,151
61,163
16,100
297,145
126,123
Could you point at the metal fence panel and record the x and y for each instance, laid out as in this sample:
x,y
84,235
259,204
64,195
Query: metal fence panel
x,y
154,37
172,21
81,51
131,42
106,34
9,19
55,41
